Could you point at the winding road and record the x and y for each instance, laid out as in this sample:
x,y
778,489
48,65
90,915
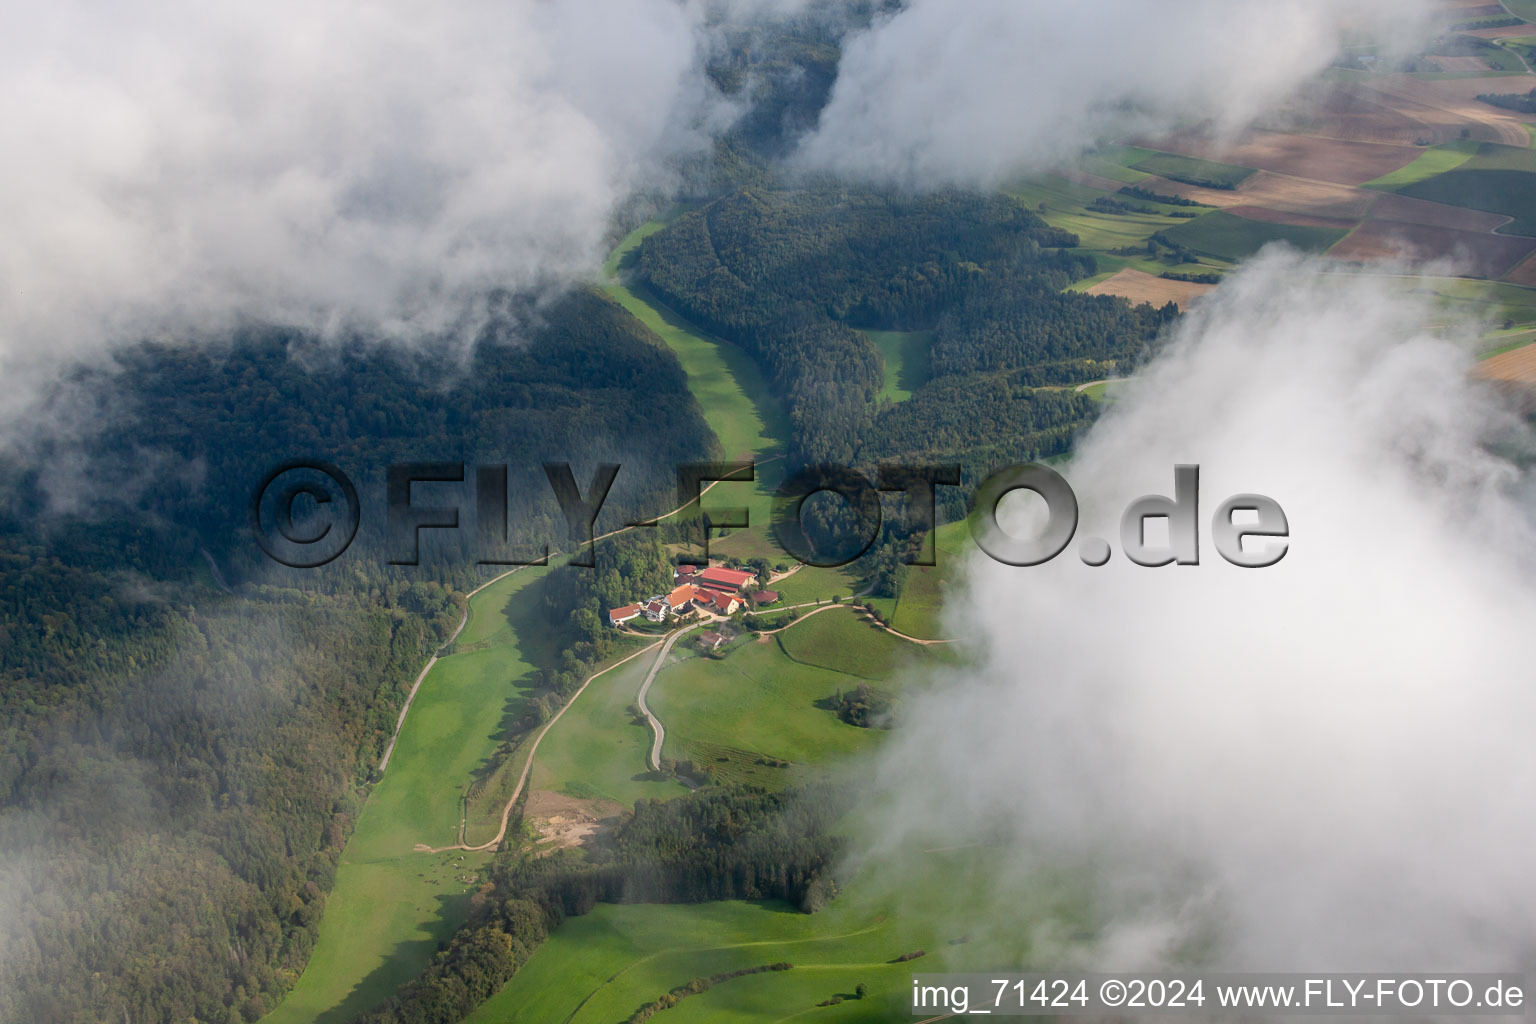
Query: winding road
x,y
658,732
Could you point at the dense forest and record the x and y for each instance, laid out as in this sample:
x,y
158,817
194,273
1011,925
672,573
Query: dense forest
x,y
717,844
796,277
981,271
185,728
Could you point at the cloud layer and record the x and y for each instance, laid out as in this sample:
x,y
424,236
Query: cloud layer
x,y
1322,763
176,167
940,94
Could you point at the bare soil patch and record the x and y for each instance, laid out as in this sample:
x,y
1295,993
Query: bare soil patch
x,y
1352,112
1524,274
1440,215
1449,106
1459,63
1482,255
1269,216
1139,286
1342,161
562,820
1517,366
1278,192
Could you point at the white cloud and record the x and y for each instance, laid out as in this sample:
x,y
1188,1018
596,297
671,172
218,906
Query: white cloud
x,y
943,93
1326,760
176,167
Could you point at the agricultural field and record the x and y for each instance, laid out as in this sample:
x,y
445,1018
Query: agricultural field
x,y
1510,193
1342,161
392,905
1230,237
1480,255
1138,286
1433,161
1194,171
1515,366
1496,179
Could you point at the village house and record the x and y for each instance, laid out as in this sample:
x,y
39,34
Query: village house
x,y
682,599
711,641
719,602
762,597
619,616
655,610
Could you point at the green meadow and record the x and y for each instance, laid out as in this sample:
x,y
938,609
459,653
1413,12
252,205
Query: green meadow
x,y
906,361
1194,171
1497,179
1106,236
918,610
845,641
732,395
1230,237
601,967
756,698
1433,161
597,750
391,905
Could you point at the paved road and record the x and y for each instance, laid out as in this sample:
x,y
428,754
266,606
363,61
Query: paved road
x,y
659,733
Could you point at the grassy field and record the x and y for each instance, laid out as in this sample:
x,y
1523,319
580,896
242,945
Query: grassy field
x,y
757,699
391,906
1194,171
844,641
906,361
1497,299
808,583
599,968
1228,236
1104,390
1522,9
917,611
1433,161
1496,179
597,750
1491,156
1066,207
730,390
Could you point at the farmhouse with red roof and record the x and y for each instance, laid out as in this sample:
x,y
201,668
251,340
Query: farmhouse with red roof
x,y
720,602
619,616
682,598
728,580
